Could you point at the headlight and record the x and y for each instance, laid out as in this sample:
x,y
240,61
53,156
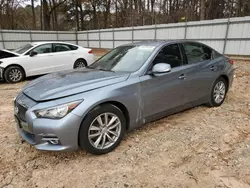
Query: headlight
x,y
1,62
57,112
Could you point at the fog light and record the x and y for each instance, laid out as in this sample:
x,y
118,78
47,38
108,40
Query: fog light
x,y
54,142
50,138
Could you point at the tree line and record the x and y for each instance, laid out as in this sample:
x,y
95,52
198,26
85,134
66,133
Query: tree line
x,y
100,14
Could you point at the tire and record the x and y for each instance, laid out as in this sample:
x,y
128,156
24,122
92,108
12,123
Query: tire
x,y
90,130
14,74
80,63
222,85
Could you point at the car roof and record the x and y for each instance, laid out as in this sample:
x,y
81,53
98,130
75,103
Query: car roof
x,y
158,42
49,42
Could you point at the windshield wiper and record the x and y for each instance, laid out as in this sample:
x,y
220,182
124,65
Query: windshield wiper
x,y
102,69
105,70
89,67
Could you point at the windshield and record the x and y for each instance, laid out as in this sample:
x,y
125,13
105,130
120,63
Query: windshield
x,y
23,49
124,58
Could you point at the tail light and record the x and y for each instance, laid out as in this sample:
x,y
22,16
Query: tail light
x,y
231,62
90,51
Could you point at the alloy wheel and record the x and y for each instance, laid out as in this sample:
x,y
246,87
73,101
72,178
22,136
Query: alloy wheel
x,y
219,92
15,75
80,64
104,131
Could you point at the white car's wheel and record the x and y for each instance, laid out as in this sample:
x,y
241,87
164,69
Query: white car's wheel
x,y
80,63
14,74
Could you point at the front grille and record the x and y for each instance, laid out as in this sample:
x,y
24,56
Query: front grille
x,y
22,104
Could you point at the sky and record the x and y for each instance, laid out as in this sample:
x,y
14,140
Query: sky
x,y
25,3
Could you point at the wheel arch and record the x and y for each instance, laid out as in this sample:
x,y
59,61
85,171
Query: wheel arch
x,y
11,65
226,78
117,104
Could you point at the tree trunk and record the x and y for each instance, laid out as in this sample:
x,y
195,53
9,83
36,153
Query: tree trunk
x,y
106,14
41,15
81,16
33,15
116,14
131,12
55,15
52,16
94,16
46,15
238,8
152,11
202,9
77,15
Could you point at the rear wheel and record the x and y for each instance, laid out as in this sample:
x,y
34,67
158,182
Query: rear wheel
x,y
14,74
102,130
218,93
80,63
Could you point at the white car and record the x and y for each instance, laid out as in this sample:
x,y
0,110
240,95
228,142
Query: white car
x,y
41,58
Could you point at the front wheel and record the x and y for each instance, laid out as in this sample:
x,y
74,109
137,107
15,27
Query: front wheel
x,y
102,130
218,93
13,74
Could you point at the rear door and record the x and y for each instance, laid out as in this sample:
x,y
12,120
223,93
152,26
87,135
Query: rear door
x,y
201,71
64,56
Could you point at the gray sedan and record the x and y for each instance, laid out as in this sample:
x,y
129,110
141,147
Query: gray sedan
x,y
93,107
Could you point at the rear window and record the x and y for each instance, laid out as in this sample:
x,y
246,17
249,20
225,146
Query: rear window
x,y
197,52
216,54
72,47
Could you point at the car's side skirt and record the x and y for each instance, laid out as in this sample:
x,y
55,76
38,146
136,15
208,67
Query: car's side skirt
x,y
175,110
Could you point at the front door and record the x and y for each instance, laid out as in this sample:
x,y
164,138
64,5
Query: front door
x,y
42,62
166,92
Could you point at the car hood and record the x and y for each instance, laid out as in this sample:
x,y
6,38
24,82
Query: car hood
x,y
67,83
4,54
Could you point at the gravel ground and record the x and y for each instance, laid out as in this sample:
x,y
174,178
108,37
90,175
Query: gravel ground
x,y
199,148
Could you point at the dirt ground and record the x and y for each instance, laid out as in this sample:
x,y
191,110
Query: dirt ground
x,y
99,51
199,148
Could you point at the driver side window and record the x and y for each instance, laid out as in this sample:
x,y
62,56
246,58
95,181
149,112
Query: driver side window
x,y
43,49
169,54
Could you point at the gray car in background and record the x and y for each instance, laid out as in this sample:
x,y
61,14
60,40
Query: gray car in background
x,y
133,84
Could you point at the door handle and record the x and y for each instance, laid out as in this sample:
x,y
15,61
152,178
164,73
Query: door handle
x,y
182,77
213,68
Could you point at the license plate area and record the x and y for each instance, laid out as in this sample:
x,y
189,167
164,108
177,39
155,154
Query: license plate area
x,y
23,129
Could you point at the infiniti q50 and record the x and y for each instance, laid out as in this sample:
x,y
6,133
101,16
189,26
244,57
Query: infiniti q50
x,y
93,107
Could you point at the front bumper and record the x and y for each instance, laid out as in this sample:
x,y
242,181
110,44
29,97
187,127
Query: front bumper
x,y
1,73
49,134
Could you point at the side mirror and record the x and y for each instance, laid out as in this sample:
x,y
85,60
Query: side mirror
x,y
32,53
161,68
